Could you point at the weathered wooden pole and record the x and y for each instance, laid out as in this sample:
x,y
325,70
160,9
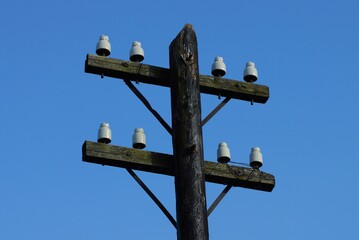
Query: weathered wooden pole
x,y
192,222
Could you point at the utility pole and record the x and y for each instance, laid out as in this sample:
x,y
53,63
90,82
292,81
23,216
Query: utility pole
x,y
187,164
187,137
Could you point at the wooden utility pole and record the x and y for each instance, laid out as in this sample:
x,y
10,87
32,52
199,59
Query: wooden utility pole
x,y
187,163
187,137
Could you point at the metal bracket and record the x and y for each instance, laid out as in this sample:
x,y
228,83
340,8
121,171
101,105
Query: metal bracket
x,y
153,197
148,105
218,199
219,107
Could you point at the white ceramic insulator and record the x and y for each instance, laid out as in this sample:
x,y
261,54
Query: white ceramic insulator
x,y
104,133
256,158
103,47
139,139
250,73
223,153
136,53
218,67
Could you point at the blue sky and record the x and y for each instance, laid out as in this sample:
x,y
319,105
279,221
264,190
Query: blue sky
x,y
305,51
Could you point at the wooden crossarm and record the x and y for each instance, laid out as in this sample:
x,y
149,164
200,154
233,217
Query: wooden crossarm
x,y
160,163
159,76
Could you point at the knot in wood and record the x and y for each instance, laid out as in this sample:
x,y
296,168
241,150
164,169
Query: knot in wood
x,y
124,64
188,58
192,149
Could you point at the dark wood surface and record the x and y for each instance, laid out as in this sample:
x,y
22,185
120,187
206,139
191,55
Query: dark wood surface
x,y
192,222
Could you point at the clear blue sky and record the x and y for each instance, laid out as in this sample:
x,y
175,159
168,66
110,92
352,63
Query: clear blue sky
x,y
305,51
